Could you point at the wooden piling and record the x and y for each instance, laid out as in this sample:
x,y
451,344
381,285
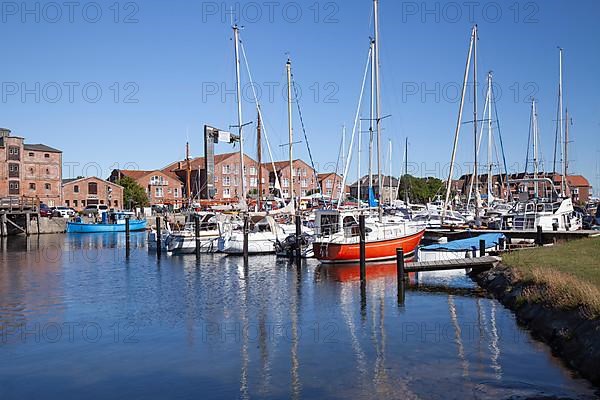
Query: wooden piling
x,y
3,227
539,237
501,243
481,248
158,238
27,224
363,250
400,274
197,234
127,238
298,246
245,238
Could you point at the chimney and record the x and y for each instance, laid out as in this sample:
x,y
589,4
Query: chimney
x,y
4,132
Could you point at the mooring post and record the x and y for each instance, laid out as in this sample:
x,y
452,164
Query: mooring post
x,y
158,238
246,238
400,274
298,246
481,248
127,237
27,224
363,256
539,237
197,234
501,243
3,228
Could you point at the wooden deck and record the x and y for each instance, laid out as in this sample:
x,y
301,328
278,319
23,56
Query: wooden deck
x,y
486,262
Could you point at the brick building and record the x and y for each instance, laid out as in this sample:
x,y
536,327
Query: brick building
x,y
29,170
79,193
162,188
331,184
304,180
227,176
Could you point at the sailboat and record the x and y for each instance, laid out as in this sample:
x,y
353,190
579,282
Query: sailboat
x,y
337,236
550,210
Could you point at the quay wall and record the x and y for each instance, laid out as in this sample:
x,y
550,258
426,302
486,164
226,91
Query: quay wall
x,y
48,225
572,336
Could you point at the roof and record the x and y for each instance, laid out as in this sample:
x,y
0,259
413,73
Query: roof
x,y
197,162
572,180
139,174
40,147
283,164
327,175
364,181
73,180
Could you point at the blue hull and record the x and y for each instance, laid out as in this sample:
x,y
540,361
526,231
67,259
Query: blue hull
x,y
79,227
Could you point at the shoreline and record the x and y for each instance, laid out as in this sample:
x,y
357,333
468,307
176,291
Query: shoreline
x,y
572,337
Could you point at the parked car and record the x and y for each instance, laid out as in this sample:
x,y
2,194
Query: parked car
x,y
45,210
95,209
63,212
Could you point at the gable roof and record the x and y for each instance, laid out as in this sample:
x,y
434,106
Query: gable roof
x,y
40,147
139,174
74,180
284,164
198,162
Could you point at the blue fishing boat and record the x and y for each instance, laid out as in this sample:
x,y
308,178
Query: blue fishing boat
x,y
111,222
462,248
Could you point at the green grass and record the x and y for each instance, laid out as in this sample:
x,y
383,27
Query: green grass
x,y
566,275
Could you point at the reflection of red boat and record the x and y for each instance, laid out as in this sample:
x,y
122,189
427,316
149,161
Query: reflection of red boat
x,y
337,238
351,272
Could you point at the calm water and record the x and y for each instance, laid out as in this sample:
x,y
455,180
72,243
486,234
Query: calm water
x,y
78,321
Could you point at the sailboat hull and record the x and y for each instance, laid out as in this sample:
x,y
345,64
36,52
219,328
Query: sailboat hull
x,y
375,250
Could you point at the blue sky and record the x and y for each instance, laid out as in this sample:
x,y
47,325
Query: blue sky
x,y
164,70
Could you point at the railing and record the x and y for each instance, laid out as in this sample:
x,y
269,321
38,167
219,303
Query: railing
x,y
18,203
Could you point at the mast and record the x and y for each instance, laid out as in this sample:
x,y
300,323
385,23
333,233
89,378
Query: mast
x,y
259,153
358,184
188,177
343,145
534,133
378,105
458,124
390,190
490,138
566,156
236,39
406,172
475,171
288,67
372,116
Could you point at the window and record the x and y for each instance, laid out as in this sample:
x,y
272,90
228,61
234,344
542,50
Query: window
x,y
32,186
299,172
176,192
253,182
226,192
13,187
31,154
31,171
303,183
226,181
47,171
235,181
252,170
226,169
158,192
286,183
92,188
304,192
82,203
328,184
329,192
13,170
304,172
47,186
116,203
216,179
169,191
74,203
67,203
76,189
46,155
13,153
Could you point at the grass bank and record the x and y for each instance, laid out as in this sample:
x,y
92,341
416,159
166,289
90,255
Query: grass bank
x,y
566,276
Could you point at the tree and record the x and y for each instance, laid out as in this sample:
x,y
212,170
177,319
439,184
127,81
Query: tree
x,y
133,193
420,190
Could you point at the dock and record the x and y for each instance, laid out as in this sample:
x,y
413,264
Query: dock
x,y
547,236
486,262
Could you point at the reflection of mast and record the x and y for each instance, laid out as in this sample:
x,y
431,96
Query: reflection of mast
x,y
296,384
243,279
458,335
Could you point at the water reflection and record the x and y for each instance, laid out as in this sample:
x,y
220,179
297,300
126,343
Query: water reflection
x,y
269,329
